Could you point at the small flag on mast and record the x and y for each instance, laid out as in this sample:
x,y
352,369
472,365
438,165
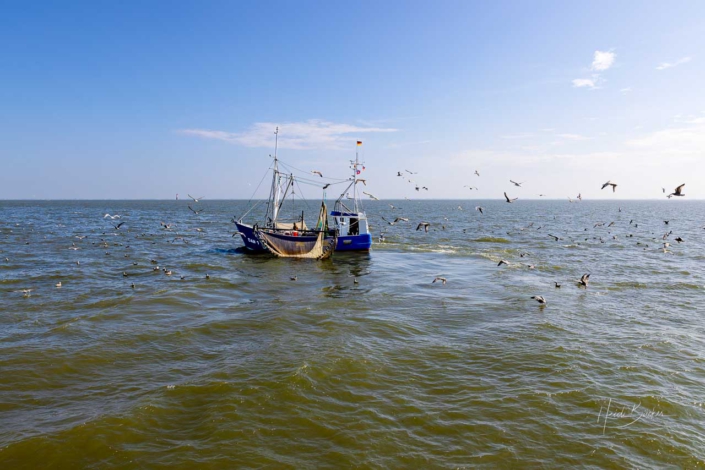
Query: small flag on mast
x,y
359,142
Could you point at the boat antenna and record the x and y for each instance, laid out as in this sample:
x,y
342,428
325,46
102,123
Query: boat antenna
x,y
276,142
357,146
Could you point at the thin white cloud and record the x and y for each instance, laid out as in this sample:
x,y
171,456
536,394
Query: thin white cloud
x,y
685,142
304,135
407,144
626,90
582,82
573,136
668,65
603,60
522,135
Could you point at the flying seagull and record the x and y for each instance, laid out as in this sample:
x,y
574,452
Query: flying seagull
x,y
395,220
518,185
195,211
113,217
425,226
610,183
501,262
539,299
194,198
477,173
677,192
442,279
478,208
361,180
371,196
315,172
326,186
411,172
117,227
509,200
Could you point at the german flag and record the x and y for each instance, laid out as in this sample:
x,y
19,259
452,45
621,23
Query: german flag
x,y
359,142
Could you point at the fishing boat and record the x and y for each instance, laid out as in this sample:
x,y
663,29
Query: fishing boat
x,y
275,231
350,223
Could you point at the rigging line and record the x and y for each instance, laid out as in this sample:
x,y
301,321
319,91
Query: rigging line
x,y
318,183
253,195
296,181
307,172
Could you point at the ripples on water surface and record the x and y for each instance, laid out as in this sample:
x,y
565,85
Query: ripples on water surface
x,y
251,369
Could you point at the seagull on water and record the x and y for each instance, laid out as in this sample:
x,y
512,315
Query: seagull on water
x,y
584,279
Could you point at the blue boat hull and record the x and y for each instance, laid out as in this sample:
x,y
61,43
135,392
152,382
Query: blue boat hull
x,y
361,242
249,238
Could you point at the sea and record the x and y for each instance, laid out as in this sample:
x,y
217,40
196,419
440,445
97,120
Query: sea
x,y
362,361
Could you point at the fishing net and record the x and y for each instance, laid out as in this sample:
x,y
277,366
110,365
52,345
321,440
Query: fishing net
x,y
290,246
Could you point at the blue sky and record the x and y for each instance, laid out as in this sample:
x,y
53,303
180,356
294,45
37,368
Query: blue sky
x,y
148,99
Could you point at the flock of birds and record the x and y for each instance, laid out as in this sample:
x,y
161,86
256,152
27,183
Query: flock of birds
x,y
105,244
584,279
424,226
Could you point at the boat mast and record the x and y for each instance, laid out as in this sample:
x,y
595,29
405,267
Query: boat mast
x,y
274,194
355,180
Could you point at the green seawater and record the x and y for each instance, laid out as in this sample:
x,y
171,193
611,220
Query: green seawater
x,y
248,369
